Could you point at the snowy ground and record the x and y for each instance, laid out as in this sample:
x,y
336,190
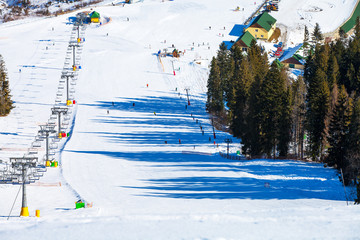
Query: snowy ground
x,y
140,187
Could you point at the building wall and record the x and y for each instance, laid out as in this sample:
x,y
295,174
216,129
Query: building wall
x,y
296,66
272,30
95,20
261,33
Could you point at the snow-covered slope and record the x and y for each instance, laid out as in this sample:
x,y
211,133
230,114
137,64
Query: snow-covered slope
x,y
137,151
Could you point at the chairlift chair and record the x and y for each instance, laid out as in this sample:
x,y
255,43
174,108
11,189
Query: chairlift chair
x,y
53,146
36,144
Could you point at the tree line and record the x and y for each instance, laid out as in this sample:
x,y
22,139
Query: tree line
x,y
256,98
6,103
316,116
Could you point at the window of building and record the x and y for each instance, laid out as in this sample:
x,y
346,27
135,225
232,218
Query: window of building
x,y
256,30
262,36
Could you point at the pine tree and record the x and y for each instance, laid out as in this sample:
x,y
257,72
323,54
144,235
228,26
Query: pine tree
x,y
270,109
357,29
285,122
241,106
235,80
226,67
252,138
6,103
215,93
333,71
306,41
352,157
338,131
299,108
317,36
317,112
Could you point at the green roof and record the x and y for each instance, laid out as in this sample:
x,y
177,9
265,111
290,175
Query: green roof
x,y
278,63
247,38
352,21
265,21
94,14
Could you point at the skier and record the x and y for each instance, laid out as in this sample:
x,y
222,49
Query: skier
x,y
113,103
179,141
133,104
147,85
107,111
155,113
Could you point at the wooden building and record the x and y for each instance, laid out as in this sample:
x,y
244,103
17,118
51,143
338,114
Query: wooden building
x,y
262,27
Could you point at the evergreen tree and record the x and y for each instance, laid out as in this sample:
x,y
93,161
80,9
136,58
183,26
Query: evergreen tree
x,y
258,62
252,138
215,93
357,29
306,41
352,157
270,109
317,112
299,108
317,36
338,131
258,65
241,106
226,67
285,122
235,80
6,103
333,71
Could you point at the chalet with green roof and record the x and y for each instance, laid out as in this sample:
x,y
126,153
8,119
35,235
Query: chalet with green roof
x,y
262,27
296,61
244,41
95,17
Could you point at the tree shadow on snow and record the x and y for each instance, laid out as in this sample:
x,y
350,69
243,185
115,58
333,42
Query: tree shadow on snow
x,y
213,177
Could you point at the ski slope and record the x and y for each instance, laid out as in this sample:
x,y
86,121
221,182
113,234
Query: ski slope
x,y
128,104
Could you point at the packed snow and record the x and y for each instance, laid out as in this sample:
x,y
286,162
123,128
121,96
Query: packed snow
x,y
136,150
